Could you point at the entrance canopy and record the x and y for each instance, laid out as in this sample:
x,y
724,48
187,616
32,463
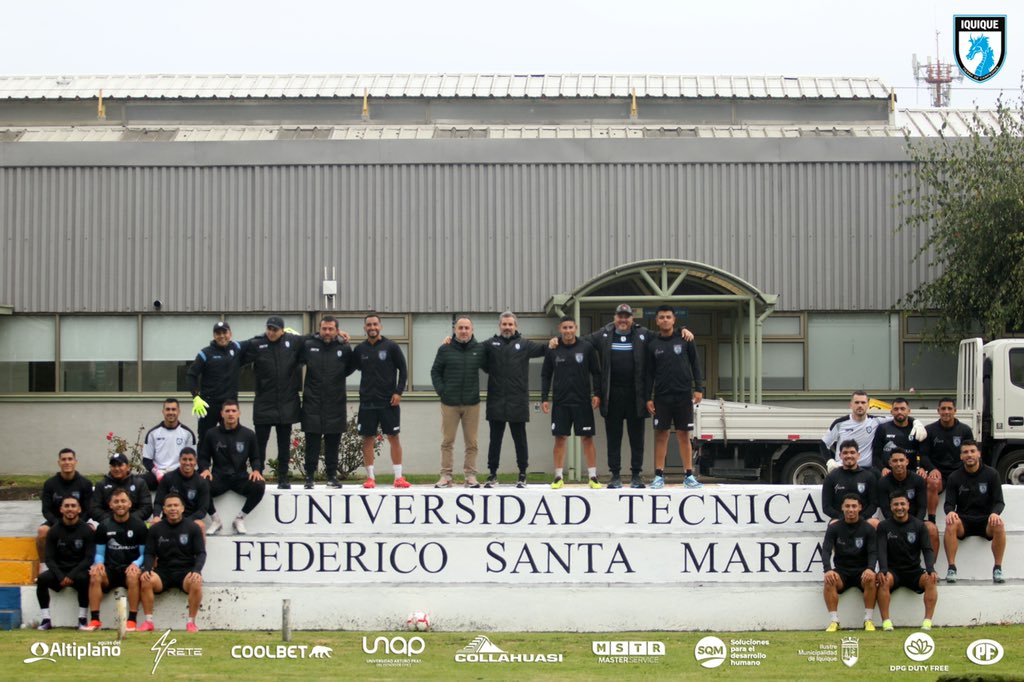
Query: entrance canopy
x,y
695,286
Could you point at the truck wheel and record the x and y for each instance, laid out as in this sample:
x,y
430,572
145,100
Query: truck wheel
x,y
806,468
1011,467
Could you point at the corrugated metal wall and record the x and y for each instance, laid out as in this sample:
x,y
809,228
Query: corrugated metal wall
x,y
437,237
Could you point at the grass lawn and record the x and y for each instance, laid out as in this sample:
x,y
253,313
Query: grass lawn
x,y
782,658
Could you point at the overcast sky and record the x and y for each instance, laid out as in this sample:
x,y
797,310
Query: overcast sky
x,y
734,37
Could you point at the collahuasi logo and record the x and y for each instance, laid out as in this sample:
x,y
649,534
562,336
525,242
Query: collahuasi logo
x,y
979,43
483,650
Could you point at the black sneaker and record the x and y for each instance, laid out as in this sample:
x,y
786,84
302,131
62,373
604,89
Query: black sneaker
x,y
308,485
615,483
637,481
492,481
283,484
333,483
521,483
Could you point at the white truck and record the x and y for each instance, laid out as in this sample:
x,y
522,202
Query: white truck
x,y
781,444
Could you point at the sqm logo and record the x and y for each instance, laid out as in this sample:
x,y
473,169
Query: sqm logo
x,y
710,652
398,646
850,651
919,647
979,43
985,652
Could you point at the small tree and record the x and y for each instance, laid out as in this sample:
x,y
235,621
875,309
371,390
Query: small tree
x,y
119,445
968,198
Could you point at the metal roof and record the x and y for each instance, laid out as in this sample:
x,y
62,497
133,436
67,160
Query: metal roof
x,y
437,85
948,122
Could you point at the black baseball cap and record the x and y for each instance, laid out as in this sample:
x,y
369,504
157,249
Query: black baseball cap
x,y
624,309
275,321
221,327
118,458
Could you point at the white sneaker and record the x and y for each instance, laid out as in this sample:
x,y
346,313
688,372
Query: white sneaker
x,y
214,526
239,525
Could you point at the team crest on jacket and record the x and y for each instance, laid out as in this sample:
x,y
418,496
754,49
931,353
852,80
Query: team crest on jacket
x,y
78,543
518,346
861,487
859,542
132,488
183,539
956,441
231,352
983,488
912,536
191,495
240,447
382,355
76,495
131,534
579,358
179,440
678,348
339,353
911,493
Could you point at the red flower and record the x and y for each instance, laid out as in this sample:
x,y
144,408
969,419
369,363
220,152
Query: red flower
x,y
295,443
110,436
380,438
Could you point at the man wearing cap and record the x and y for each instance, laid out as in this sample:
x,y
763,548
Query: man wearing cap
x,y
121,478
277,364
213,377
163,443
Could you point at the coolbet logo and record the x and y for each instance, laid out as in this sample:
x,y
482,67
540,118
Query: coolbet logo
x,y
710,652
165,647
979,43
627,651
985,652
482,650
919,647
294,651
43,651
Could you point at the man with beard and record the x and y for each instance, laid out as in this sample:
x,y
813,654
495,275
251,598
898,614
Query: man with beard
x,y
974,502
853,542
940,451
70,546
896,434
120,540
225,457
382,381
902,544
849,478
67,482
901,478
324,417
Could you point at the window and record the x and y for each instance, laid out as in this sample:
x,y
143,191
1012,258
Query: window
x,y
1017,367
27,358
782,366
99,353
850,351
169,345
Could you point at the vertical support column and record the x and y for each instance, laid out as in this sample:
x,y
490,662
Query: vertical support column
x,y
752,331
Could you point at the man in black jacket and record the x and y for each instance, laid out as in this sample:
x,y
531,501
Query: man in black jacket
x,y
381,384
849,478
328,361
974,503
121,477
70,546
673,386
225,455
65,483
855,548
940,451
213,377
189,484
277,365
902,544
573,371
507,355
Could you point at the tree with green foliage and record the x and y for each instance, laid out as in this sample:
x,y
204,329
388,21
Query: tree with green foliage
x,y
968,199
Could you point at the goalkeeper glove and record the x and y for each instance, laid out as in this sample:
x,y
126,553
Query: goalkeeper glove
x,y
199,406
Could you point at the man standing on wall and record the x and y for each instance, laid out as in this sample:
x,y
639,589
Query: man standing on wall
x,y
456,378
673,386
213,377
383,377
324,417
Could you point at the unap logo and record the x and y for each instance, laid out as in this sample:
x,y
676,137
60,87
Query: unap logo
x,y
710,652
979,43
985,652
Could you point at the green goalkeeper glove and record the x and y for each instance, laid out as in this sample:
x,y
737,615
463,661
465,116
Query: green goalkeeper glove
x,y
289,330
199,406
